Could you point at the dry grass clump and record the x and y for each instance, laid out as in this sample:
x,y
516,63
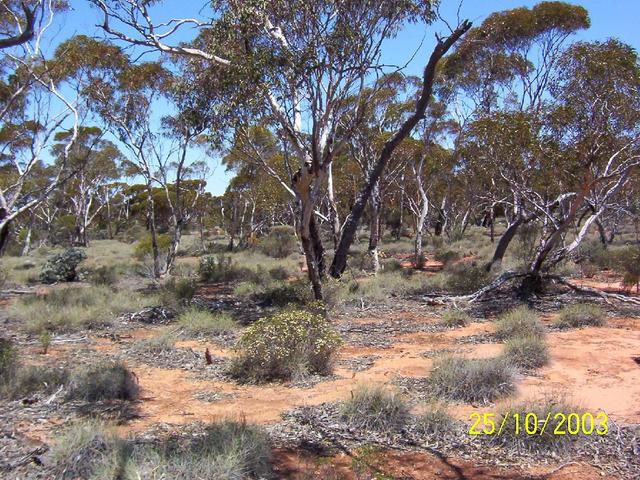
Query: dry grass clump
x,y
197,322
155,345
227,450
580,315
435,420
455,318
104,381
472,380
72,308
519,322
288,344
373,407
527,352
533,414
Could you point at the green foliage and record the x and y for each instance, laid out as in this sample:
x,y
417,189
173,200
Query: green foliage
x,y
280,242
527,352
455,318
144,246
221,269
103,381
177,292
287,344
472,380
155,345
30,379
373,407
104,275
462,278
519,322
197,322
9,361
446,255
580,315
45,340
62,267
70,308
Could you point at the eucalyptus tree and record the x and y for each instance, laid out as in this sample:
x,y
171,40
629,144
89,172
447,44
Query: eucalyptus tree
x,y
33,108
297,61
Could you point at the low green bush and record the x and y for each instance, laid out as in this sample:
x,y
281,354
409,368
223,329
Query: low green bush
x,y
527,352
455,318
465,277
144,246
472,380
197,322
62,267
373,407
30,379
519,322
580,315
219,268
155,345
435,420
103,381
104,275
280,242
9,361
288,344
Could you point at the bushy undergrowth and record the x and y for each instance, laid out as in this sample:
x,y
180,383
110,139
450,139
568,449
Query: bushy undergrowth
x,y
519,322
9,361
104,275
30,379
221,268
465,277
155,345
144,246
527,352
288,344
455,318
70,308
580,315
374,407
196,322
62,267
227,450
472,380
280,242
177,292
103,381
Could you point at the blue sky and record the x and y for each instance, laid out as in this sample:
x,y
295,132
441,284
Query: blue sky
x,y
609,18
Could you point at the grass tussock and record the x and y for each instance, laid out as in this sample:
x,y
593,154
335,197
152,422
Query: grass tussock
x,y
229,450
455,318
289,344
435,420
519,322
196,322
527,352
532,415
104,381
374,407
472,380
580,315
71,308
155,345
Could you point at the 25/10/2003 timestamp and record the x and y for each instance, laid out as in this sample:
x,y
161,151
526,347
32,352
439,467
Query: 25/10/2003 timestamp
x,y
531,423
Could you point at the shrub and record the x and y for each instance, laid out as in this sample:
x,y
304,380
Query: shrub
x,y
279,273
71,308
465,277
280,294
88,449
541,408
202,322
435,420
375,408
45,340
9,361
280,242
104,381
220,269
455,318
392,265
519,322
144,246
527,352
62,267
580,315
175,293
446,255
472,380
156,345
290,343
104,275
31,379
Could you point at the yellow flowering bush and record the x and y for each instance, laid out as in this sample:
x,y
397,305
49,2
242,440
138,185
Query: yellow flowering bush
x,y
290,343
